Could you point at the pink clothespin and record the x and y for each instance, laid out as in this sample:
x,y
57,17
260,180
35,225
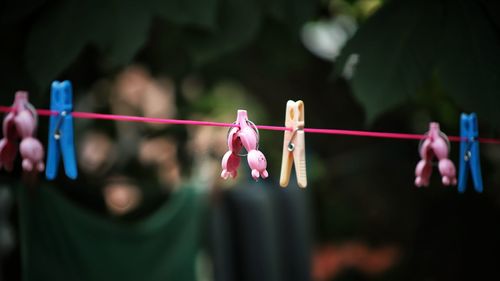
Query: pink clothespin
x,y
20,124
435,144
247,136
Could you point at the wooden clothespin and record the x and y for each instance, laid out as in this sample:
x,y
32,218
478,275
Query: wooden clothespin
x,y
294,145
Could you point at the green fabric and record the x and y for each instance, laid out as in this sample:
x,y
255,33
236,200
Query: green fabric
x,y
62,241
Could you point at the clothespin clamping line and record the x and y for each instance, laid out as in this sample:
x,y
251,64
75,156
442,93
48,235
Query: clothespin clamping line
x,y
294,145
469,153
61,140
244,135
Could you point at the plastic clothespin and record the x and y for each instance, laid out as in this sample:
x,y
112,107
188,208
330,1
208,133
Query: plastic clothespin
x,y
19,128
294,145
244,135
61,140
435,144
469,153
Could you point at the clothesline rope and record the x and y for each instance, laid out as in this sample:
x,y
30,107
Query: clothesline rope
x,y
129,118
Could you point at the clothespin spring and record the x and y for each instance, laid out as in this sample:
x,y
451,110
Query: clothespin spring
x,y
57,131
468,153
254,127
445,137
291,145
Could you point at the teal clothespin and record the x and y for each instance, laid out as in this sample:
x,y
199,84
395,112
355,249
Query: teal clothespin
x,y
469,153
61,140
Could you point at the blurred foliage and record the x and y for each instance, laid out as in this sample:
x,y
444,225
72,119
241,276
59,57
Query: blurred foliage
x,y
46,37
360,9
405,43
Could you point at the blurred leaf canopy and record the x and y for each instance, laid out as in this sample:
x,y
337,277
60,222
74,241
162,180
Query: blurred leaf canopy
x,y
401,47
48,36
407,43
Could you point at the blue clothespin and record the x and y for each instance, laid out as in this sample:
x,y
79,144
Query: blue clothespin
x,y
469,153
61,131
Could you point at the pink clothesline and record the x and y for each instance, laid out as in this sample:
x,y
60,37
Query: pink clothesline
x,y
128,118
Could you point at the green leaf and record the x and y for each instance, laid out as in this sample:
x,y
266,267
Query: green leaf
x,y
396,50
292,12
238,22
55,40
125,34
406,41
469,66
189,12
274,8
299,12
117,28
